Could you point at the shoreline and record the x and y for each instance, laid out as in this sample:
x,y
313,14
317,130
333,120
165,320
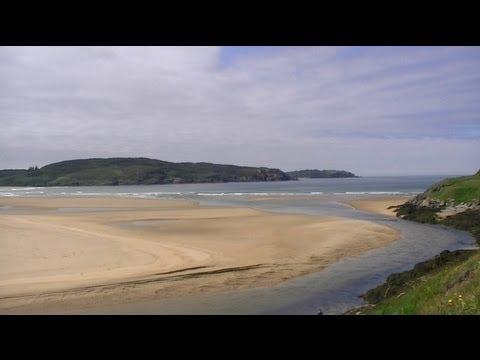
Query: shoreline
x,y
147,249
408,283
378,205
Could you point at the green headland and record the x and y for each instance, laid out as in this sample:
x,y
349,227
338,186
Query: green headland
x,y
144,171
134,171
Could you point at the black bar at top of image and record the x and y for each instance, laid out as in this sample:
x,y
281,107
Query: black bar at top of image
x,y
261,38
239,26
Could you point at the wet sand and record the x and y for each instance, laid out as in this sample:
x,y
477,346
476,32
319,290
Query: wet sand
x,y
61,254
379,205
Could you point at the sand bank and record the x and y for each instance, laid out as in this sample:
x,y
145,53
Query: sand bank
x,y
379,205
59,254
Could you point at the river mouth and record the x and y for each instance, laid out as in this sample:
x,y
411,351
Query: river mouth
x,y
333,290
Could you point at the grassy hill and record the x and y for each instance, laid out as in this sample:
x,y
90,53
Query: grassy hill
x,y
449,288
134,171
460,190
317,174
450,282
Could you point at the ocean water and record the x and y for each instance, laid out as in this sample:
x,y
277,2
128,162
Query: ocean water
x,y
332,290
379,185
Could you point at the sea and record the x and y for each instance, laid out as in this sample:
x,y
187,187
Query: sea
x,y
374,185
332,290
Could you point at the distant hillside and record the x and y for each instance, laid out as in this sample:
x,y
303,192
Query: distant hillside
x,y
134,171
316,174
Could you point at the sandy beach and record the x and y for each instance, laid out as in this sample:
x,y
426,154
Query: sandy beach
x,y
61,254
379,205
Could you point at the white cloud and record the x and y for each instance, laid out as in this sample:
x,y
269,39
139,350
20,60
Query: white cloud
x,y
374,110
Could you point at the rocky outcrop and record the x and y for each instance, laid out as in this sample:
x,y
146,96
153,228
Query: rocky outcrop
x,y
433,204
319,174
425,201
265,174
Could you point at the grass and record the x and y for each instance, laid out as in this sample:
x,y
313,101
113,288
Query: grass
x,y
447,284
453,289
461,190
398,283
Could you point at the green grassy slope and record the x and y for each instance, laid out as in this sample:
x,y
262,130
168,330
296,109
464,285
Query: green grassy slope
x,y
428,287
131,171
451,289
462,189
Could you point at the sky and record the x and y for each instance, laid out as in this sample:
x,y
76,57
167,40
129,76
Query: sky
x,y
370,110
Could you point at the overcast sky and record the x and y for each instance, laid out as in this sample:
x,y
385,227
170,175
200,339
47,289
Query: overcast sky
x,y
370,110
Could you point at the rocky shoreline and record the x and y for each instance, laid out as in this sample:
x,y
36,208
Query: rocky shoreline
x,y
444,207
